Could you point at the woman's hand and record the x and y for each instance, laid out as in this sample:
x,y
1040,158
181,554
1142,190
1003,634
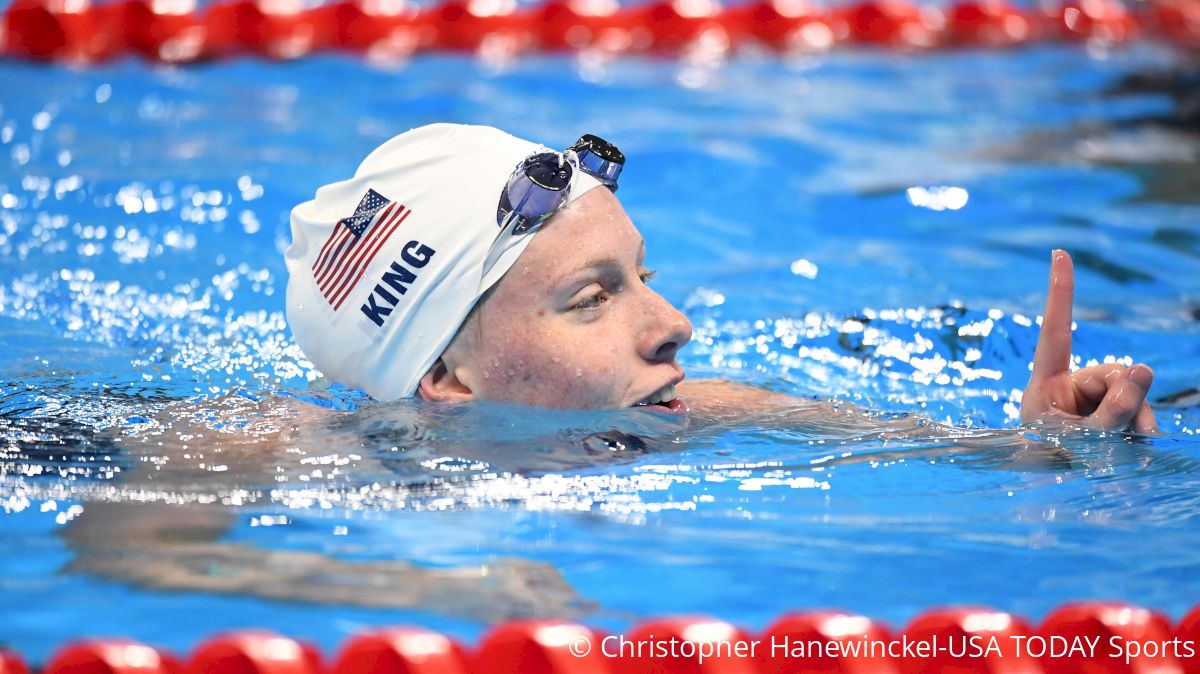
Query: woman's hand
x,y
1109,397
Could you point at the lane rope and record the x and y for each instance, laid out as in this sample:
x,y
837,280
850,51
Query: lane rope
x,y
1078,638
176,31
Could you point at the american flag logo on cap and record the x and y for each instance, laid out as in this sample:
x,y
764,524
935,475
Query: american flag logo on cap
x,y
353,243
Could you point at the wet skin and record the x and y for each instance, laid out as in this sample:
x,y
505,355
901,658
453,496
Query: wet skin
x,y
573,324
1106,397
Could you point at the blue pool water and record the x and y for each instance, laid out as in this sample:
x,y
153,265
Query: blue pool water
x,y
868,226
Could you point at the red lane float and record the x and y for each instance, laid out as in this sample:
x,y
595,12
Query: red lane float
x,y
165,30
666,26
490,26
988,23
111,656
684,646
401,650
175,31
67,30
1189,630
280,29
254,652
360,25
786,25
829,642
890,23
541,647
1177,20
575,24
663,26
11,663
1104,20
972,641
786,646
1108,624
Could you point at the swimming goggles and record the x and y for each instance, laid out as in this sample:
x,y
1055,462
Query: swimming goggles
x,y
541,183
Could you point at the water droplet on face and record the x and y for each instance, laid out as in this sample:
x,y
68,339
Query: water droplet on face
x,y
578,372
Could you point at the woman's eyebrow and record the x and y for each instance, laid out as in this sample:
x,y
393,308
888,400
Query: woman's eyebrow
x,y
608,265
604,264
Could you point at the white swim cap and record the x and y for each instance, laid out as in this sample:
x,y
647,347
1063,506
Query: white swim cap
x,y
384,267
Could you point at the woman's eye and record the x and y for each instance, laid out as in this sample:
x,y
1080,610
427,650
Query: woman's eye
x,y
648,275
593,302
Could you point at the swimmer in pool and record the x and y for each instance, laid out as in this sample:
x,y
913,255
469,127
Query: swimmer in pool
x,y
440,272
461,263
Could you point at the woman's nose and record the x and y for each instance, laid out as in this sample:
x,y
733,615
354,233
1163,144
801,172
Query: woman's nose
x,y
668,331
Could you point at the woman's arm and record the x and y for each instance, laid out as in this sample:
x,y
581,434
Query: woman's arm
x,y
179,548
1106,397
840,424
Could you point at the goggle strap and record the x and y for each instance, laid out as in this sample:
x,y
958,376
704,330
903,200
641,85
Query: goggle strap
x,y
495,250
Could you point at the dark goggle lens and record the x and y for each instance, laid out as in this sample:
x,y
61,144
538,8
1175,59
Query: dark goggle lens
x,y
600,159
535,190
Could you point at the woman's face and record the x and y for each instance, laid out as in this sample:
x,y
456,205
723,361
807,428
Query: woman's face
x,y
573,323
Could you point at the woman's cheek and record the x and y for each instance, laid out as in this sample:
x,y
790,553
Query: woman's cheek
x,y
600,373
575,377
554,368
568,380
529,371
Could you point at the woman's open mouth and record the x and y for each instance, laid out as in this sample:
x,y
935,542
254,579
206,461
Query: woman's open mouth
x,y
664,399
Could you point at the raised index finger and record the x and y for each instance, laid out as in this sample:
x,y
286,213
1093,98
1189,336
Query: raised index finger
x,y
1053,354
